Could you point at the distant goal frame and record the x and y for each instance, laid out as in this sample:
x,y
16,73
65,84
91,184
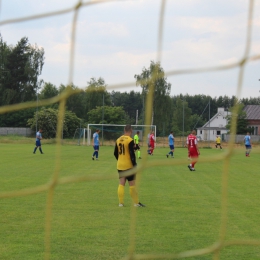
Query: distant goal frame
x,y
152,127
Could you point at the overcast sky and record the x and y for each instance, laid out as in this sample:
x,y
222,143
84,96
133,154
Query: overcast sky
x,y
116,40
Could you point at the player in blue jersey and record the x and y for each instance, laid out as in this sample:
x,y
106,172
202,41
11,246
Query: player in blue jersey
x,y
171,144
247,140
38,141
95,144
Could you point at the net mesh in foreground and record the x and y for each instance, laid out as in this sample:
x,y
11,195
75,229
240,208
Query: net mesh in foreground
x,y
61,99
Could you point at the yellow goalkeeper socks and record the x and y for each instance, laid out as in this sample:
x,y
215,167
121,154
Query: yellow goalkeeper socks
x,y
133,194
121,193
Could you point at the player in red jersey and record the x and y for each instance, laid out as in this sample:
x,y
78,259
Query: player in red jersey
x,y
152,141
193,150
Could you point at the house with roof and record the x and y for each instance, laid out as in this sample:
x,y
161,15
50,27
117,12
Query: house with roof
x,y
215,126
253,118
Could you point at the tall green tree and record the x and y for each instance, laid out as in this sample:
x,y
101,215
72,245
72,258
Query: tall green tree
x,y
154,79
181,117
96,95
131,103
4,73
200,105
107,115
16,119
47,118
196,121
20,69
76,103
240,117
251,101
48,91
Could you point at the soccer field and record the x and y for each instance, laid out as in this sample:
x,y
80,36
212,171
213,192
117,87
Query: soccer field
x,y
183,209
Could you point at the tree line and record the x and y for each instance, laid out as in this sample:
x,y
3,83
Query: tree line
x,y
21,66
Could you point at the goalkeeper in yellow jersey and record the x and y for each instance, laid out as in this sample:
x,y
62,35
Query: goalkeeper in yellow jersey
x,y
137,147
218,142
125,155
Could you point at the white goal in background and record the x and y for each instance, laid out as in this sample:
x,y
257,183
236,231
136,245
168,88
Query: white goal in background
x,y
110,132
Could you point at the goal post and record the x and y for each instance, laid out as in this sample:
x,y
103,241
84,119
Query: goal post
x,y
110,132
79,135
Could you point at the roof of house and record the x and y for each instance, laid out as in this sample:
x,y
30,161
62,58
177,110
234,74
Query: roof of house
x,y
252,112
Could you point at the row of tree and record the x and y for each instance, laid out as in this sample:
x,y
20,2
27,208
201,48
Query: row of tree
x,y
95,105
21,66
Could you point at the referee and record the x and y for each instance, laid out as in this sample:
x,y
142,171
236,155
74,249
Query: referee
x,y
137,147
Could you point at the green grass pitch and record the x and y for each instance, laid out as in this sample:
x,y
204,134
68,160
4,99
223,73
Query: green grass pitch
x,y
183,208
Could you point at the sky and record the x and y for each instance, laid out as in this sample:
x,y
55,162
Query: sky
x,y
116,40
